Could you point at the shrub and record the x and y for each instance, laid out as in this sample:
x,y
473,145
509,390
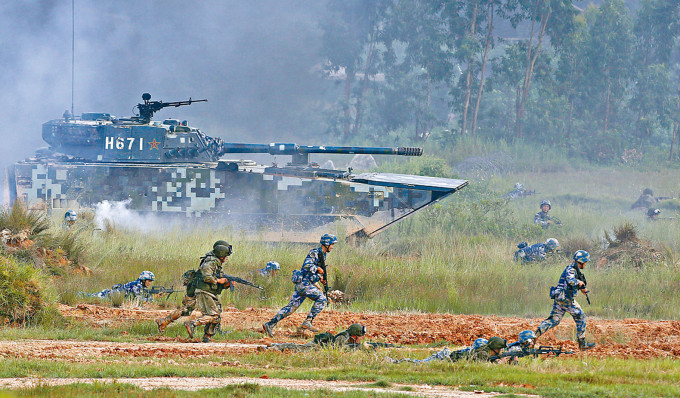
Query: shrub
x,y
18,218
24,298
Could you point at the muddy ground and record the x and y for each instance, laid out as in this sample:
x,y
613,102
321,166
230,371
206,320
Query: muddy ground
x,y
635,338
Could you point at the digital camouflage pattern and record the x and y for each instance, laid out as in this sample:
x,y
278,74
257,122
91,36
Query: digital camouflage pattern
x,y
541,218
535,252
566,291
172,168
134,289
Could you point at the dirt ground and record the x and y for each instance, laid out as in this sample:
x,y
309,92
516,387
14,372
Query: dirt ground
x,y
635,338
198,383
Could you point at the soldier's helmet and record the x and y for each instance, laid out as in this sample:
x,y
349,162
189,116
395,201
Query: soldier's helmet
x,y
526,335
222,251
522,245
552,243
272,266
479,343
653,212
581,256
356,329
546,202
496,343
328,239
220,242
519,186
70,215
147,276
648,191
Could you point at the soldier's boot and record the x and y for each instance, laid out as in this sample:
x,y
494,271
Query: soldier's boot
x,y
307,325
189,325
163,323
583,346
268,328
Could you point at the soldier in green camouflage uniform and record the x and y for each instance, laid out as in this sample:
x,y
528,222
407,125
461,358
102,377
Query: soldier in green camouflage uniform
x,y
348,338
209,285
188,301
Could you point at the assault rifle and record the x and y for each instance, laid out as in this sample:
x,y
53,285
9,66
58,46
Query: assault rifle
x,y
582,278
236,279
373,346
160,289
535,352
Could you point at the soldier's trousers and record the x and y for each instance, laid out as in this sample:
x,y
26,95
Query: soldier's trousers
x,y
558,310
302,291
211,309
188,305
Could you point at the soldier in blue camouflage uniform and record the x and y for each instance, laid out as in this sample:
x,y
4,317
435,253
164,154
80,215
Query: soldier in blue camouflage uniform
x,y
542,218
305,281
536,252
518,192
270,269
70,218
564,295
481,350
134,289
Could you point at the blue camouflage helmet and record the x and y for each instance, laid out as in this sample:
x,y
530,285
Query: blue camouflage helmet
x,y
522,245
70,215
519,186
147,276
581,256
328,239
552,243
546,202
478,343
526,335
272,266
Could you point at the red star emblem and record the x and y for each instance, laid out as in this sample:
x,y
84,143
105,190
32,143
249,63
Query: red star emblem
x,y
154,144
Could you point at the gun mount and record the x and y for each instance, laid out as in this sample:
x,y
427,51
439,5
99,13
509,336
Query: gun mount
x,y
171,167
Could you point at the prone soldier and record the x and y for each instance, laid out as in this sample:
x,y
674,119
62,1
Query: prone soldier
x,y
536,252
135,289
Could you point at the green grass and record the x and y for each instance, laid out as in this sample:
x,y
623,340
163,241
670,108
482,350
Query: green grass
x,y
575,377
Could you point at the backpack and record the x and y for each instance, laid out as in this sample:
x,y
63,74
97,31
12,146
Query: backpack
x,y
189,280
323,339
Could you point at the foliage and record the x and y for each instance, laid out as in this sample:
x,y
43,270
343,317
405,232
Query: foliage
x,y
24,295
19,217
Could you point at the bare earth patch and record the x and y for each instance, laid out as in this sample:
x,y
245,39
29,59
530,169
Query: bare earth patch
x,y
634,338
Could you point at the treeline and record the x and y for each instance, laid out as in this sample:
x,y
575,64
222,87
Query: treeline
x,y
603,82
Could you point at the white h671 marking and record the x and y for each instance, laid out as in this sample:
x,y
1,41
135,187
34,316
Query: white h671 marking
x,y
119,143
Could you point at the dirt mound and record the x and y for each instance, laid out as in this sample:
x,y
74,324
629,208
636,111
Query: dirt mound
x,y
621,338
625,247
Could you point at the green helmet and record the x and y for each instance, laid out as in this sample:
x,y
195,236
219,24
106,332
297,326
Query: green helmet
x,y
221,242
222,251
356,329
496,343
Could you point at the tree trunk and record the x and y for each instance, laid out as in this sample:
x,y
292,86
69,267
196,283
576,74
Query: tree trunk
x,y
606,107
489,40
364,86
349,76
675,133
571,118
530,68
468,78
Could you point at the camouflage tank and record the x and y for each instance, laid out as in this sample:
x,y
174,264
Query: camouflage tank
x,y
170,167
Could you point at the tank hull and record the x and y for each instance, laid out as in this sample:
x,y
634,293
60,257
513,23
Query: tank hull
x,y
286,204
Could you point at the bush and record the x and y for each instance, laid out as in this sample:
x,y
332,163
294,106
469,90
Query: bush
x,y
24,298
18,218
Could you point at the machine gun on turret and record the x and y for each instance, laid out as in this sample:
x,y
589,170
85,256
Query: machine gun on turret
x,y
148,108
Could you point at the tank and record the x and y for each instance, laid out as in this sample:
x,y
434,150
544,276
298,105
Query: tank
x,y
169,167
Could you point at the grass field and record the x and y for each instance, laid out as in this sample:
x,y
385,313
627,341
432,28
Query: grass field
x,y
455,257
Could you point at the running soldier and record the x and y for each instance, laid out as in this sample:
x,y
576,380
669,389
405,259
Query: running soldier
x,y
209,285
189,299
571,281
312,271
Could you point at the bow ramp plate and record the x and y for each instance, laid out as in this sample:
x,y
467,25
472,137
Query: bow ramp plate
x,y
435,184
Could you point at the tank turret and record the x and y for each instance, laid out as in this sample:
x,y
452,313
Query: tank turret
x,y
172,168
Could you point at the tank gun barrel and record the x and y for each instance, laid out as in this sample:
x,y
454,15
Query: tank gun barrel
x,y
148,108
301,152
